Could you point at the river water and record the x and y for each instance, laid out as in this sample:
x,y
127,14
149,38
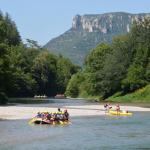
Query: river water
x,y
85,133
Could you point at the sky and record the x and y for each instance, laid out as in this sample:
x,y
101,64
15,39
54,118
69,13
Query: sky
x,y
42,20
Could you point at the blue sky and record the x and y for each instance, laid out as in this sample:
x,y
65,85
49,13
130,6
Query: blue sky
x,y
42,20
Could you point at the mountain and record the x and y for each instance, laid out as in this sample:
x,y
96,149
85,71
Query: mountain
x,y
89,30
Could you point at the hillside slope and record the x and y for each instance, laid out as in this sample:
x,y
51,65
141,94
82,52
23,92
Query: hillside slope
x,y
89,30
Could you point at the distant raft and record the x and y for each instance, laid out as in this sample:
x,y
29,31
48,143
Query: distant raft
x,y
119,113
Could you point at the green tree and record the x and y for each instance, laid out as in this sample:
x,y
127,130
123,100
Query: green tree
x,y
4,71
8,31
115,66
95,63
65,69
73,88
21,83
9,36
138,72
44,72
32,44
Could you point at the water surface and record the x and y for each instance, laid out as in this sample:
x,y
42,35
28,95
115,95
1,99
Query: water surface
x,y
85,133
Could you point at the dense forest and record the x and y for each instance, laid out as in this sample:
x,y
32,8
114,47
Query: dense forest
x,y
28,69
118,68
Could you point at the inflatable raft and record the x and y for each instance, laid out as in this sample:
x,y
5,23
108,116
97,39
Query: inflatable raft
x,y
41,121
119,113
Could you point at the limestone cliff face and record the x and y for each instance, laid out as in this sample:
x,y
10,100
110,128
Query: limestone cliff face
x,y
106,23
89,30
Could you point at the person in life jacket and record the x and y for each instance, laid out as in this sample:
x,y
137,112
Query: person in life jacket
x,y
59,110
106,107
117,108
66,115
39,115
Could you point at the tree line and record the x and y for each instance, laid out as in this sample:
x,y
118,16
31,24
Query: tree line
x,y
120,67
28,69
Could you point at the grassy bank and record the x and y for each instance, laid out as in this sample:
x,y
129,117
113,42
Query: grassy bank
x,y
140,96
89,97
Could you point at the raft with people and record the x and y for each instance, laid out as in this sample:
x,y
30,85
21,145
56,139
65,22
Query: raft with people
x,y
119,113
51,118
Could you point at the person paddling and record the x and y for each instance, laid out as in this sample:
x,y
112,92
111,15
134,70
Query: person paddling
x,y
66,115
117,108
106,107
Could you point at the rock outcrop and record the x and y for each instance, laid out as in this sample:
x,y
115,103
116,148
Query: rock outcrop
x,y
89,30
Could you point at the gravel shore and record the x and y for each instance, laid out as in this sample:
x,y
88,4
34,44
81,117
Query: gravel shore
x,y
27,112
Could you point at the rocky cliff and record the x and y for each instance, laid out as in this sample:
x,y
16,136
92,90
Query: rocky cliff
x,y
89,30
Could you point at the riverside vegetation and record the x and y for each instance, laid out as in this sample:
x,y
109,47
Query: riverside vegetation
x,y
115,69
28,69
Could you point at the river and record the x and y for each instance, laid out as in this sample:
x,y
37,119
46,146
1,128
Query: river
x,y
85,133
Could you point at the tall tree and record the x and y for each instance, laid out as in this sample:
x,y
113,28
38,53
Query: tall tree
x,y
138,72
8,31
94,67
44,72
65,69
